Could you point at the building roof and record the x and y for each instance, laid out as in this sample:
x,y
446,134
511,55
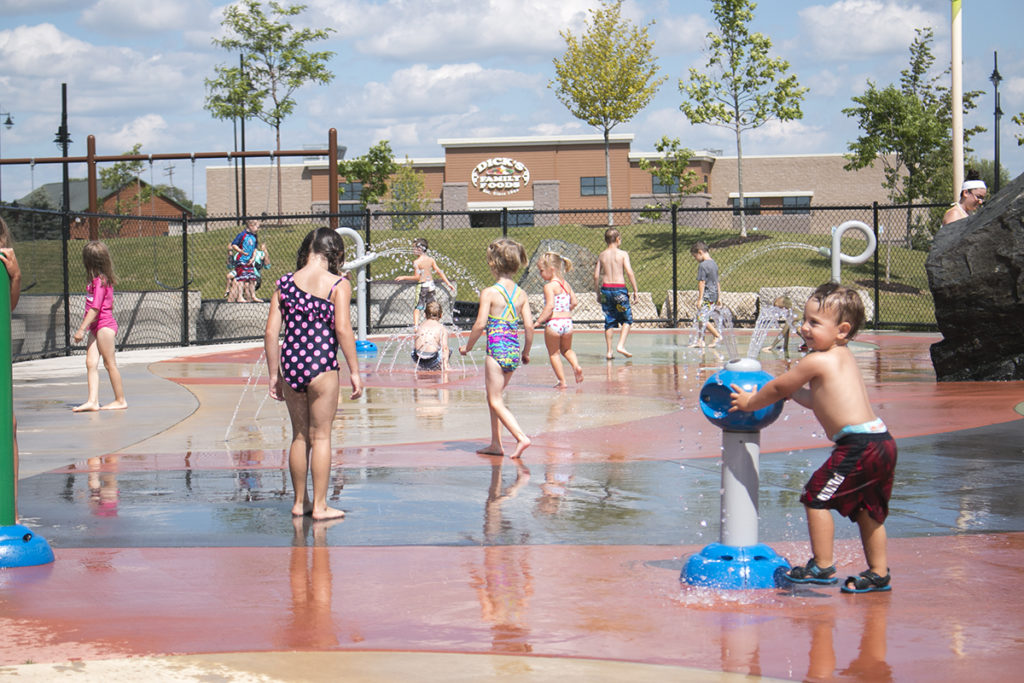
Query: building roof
x,y
533,140
78,194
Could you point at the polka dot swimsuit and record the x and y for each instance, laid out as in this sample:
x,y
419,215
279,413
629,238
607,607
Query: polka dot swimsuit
x,y
310,346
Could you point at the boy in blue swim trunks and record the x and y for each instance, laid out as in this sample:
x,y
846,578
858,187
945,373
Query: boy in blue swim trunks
x,y
610,280
857,479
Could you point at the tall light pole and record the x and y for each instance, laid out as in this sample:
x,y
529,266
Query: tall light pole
x,y
995,78
6,124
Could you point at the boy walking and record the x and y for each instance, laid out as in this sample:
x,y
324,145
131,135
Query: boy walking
x,y
424,268
610,280
707,294
856,480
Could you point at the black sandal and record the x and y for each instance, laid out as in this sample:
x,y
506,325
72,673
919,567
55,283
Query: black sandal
x,y
867,582
812,573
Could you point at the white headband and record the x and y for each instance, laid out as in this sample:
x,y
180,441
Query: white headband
x,y
973,185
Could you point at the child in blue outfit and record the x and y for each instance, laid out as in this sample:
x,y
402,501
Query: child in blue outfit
x,y
857,479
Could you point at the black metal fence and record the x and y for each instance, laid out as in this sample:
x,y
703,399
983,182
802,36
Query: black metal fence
x,y
172,273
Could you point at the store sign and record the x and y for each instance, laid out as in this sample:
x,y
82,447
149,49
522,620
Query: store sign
x,y
500,175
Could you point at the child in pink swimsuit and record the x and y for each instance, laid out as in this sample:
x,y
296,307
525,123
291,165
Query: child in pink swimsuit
x,y
559,300
102,327
312,304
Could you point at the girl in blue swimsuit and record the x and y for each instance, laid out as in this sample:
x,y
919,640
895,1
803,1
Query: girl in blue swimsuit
x,y
312,304
502,307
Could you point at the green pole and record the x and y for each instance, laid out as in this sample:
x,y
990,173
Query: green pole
x,y
8,514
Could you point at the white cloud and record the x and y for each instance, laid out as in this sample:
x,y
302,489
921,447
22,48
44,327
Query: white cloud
x,y
686,33
785,137
148,130
117,16
446,30
420,91
856,29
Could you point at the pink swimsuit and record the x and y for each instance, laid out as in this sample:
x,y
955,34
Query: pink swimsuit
x,y
100,295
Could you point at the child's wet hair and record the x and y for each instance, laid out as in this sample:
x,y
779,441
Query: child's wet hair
x,y
6,238
97,261
552,259
846,302
432,311
421,243
506,256
610,235
328,244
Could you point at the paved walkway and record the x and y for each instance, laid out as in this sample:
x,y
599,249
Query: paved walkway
x,y
177,558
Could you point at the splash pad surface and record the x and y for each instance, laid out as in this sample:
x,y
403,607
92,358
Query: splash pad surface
x,y
171,540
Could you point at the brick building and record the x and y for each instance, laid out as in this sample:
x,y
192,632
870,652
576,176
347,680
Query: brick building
x,y
530,175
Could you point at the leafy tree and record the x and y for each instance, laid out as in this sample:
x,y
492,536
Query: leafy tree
x,y
986,168
408,196
607,75
1019,120
908,129
120,174
673,169
744,88
374,169
275,63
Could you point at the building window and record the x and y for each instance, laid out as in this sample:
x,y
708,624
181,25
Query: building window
x,y
492,219
593,185
658,187
347,218
520,219
349,192
751,206
796,205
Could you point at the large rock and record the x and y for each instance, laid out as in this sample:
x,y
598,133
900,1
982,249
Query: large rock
x,y
976,274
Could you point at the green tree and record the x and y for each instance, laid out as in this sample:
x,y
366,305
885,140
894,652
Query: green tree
x,y
607,75
275,63
116,177
407,196
673,170
1019,120
744,87
908,129
986,168
373,169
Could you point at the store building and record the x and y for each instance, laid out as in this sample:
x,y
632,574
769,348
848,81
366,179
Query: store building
x,y
533,175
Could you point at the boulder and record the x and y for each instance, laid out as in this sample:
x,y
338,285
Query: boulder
x,y
976,275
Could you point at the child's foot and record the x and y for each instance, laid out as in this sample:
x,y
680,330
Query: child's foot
x,y
624,352
87,407
579,374
812,573
521,446
867,582
326,514
561,385
491,449
697,345
302,509
115,405
714,343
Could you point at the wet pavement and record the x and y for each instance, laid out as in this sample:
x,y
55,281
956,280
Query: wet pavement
x,y
175,547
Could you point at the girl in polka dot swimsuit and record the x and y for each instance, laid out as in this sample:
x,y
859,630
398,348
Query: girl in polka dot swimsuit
x,y
313,305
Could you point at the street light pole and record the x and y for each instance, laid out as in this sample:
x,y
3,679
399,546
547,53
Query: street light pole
x,y
6,124
62,140
995,78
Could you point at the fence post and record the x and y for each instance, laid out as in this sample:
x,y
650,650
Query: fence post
x,y
874,217
675,263
504,221
368,278
65,230
184,279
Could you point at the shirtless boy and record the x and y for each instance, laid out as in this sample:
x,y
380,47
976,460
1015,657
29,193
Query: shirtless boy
x,y
424,268
856,480
610,280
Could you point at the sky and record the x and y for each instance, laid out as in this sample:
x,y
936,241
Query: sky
x,y
416,71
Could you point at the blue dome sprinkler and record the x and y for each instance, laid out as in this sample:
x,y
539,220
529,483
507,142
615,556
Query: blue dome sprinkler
x,y
738,560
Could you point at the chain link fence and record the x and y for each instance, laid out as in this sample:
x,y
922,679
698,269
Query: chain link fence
x,y
173,274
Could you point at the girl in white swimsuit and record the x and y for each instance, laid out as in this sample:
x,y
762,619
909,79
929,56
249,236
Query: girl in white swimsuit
x,y
559,300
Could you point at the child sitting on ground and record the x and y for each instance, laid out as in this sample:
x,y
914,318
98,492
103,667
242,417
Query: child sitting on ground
x,y
431,350
857,479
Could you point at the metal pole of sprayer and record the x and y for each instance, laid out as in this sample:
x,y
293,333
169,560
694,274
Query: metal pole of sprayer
x,y
738,560
359,264
836,253
19,547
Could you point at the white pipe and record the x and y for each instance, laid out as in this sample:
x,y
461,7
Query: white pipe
x,y
358,264
837,254
957,91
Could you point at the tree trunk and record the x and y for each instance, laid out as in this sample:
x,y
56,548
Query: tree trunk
x,y
608,173
739,183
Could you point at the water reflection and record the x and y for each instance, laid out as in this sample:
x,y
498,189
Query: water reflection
x,y
870,662
103,491
504,582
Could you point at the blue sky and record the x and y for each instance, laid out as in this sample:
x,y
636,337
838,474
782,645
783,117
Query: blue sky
x,y
414,71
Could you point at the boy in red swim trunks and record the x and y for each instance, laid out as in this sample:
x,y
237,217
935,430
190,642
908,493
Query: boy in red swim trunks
x,y
856,481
